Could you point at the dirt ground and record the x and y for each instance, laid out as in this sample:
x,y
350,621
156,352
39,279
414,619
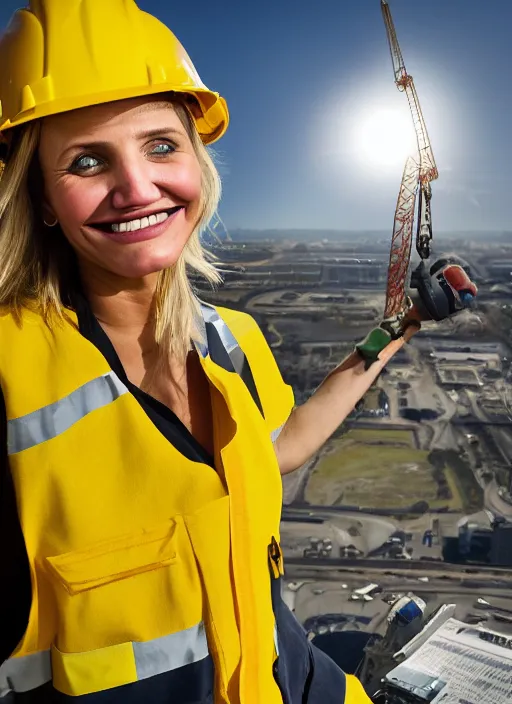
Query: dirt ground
x,y
374,468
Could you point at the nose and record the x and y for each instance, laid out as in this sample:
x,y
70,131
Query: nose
x,y
134,184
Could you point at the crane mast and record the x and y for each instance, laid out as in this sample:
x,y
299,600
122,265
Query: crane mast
x,y
401,241
405,83
419,171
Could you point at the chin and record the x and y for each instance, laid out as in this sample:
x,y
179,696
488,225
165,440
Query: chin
x,y
146,264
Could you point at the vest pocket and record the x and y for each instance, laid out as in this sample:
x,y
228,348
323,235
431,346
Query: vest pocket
x,y
115,560
132,588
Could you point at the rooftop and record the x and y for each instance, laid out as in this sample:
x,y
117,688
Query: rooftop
x,y
456,663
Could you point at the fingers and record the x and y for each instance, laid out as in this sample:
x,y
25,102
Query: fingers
x,y
390,350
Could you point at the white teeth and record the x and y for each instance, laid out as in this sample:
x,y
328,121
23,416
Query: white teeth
x,y
141,224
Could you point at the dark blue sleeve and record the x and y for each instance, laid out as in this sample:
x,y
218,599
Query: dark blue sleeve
x,y
15,585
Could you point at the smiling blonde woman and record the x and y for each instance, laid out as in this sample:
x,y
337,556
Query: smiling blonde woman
x,y
143,432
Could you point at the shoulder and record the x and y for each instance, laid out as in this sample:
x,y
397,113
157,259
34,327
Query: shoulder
x,y
275,394
246,332
11,331
237,321
7,318
15,321
27,319
27,338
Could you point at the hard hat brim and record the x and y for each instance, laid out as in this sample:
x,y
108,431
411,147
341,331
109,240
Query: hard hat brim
x,y
211,123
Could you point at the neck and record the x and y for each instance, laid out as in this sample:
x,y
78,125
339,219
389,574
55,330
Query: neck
x,y
123,306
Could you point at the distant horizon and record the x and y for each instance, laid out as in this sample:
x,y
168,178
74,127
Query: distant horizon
x,y
361,230
307,233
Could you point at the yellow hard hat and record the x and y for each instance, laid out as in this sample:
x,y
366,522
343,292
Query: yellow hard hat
x,y
59,55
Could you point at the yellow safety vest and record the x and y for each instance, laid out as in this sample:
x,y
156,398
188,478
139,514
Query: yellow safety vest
x,y
142,561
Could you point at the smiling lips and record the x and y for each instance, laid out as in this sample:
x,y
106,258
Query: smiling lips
x,y
139,223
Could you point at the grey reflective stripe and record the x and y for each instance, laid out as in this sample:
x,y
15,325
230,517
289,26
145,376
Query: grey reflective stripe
x,y
170,652
223,349
153,657
25,673
276,641
231,346
276,433
50,421
201,341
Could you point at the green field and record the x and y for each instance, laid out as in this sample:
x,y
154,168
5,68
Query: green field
x,y
379,469
460,478
402,437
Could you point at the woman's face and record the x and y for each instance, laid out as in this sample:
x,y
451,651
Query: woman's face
x,y
124,182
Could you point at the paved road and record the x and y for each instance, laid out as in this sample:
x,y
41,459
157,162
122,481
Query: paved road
x,y
406,567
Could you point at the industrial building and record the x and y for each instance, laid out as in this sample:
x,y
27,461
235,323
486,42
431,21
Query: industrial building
x,y
501,544
485,540
350,272
454,663
311,268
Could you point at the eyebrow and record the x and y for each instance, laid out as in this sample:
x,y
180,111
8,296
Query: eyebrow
x,y
147,134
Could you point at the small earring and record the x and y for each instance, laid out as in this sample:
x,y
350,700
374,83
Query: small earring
x,y
50,224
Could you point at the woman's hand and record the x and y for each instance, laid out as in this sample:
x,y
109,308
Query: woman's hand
x,y
442,290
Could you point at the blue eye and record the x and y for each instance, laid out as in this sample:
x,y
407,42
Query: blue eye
x,y
84,163
163,149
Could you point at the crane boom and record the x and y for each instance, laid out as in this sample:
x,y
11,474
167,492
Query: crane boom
x,y
394,46
422,168
405,83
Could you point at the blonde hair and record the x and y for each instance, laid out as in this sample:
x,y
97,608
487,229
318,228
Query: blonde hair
x,y
35,266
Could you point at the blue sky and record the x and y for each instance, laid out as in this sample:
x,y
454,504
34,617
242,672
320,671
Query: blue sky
x,y
302,77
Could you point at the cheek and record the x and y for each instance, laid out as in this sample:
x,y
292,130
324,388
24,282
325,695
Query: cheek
x,y
75,203
185,183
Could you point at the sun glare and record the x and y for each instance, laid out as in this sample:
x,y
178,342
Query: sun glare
x,y
384,138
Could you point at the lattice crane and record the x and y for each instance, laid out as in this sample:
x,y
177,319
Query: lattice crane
x,y
420,169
